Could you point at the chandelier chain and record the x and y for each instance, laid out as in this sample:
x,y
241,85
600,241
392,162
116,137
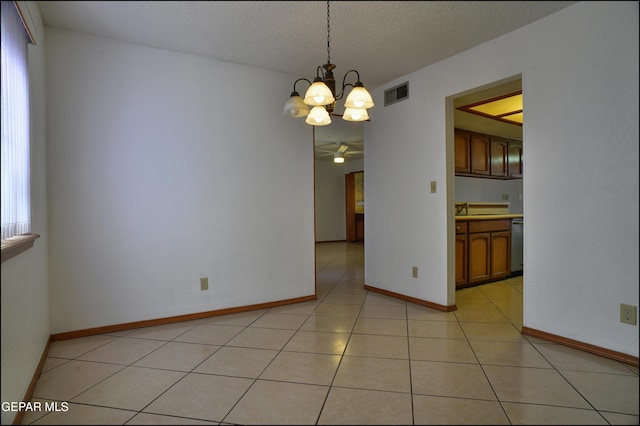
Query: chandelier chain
x,y
328,35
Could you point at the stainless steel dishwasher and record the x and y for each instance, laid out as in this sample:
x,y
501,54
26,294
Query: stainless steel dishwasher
x,y
517,225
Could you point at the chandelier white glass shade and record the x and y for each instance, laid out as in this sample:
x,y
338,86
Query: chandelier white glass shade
x,y
321,94
295,107
355,114
319,116
359,98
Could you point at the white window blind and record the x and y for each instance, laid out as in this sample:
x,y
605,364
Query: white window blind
x,y
16,208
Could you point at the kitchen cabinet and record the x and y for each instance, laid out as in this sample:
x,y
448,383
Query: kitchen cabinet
x,y
462,151
480,155
461,254
515,159
500,254
499,154
488,254
479,257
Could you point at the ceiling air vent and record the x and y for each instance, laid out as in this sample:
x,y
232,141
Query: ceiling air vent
x,y
396,94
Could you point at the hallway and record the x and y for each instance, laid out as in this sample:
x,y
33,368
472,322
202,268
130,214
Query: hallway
x,y
351,357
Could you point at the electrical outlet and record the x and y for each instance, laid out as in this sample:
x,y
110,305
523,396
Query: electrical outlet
x,y
204,284
627,314
433,186
414,272
505,197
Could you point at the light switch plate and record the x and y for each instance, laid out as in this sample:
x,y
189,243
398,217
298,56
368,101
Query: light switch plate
x,y
204,284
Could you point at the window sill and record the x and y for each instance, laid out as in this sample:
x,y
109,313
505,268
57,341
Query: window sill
x,y
13,246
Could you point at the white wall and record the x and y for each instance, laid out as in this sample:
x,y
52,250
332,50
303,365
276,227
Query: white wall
x,y
25,291
579,69
330,198
330,202
490,190
164,168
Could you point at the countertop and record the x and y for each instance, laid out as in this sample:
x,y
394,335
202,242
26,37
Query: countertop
x,y
490,216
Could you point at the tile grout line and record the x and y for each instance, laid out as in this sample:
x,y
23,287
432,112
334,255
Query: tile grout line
x,y
335,374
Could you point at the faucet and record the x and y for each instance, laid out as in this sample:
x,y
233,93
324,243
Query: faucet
x,y
461,207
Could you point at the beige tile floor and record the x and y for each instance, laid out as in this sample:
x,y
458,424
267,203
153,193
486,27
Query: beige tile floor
x,y
351,357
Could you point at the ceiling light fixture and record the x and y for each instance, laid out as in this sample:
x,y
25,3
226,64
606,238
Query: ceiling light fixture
x,y
322,96
338,157
506,108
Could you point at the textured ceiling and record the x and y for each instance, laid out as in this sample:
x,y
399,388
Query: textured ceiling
x,y
383,40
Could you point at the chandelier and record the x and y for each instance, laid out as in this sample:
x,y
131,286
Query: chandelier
x,y
322,96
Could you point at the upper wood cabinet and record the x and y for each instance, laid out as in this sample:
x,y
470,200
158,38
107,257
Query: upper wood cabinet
x,y
481,155
480,160
499,157
462,151
515,159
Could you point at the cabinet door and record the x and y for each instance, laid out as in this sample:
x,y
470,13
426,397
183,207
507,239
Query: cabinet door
x,y
461,260
480,162
498,157
462,159
515,159
500,254
479,257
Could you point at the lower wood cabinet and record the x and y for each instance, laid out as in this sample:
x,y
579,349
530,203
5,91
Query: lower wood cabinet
x,y
479,257
483,253
500,254
461,254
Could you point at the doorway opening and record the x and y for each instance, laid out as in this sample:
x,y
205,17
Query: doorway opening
x,y
339,139
345,139
485,170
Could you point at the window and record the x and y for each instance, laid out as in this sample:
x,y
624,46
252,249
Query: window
x,y
16,205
